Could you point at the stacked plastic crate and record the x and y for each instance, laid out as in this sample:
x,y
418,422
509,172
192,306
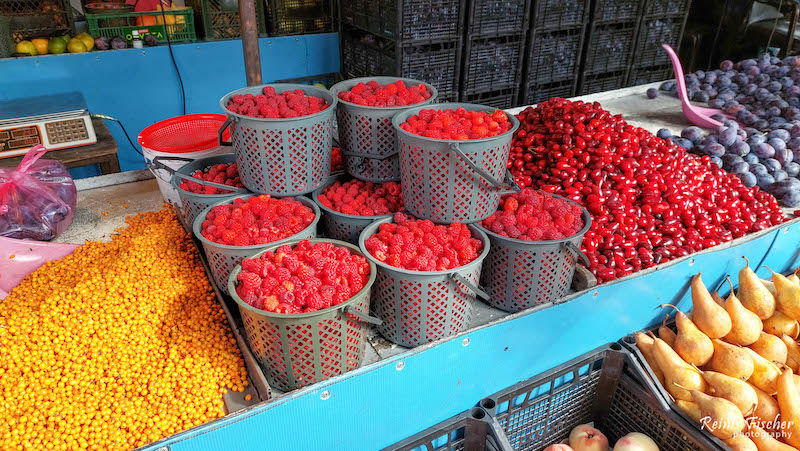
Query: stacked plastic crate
x,y
494,42
662,22
420,39
219,19
291,17
608,52
553,55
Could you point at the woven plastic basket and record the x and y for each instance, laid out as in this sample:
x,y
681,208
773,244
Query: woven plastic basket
x,y
366,133
419,307
301,349
282,157
520,274
223,258
453,181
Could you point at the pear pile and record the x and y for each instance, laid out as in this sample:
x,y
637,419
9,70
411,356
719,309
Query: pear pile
x,y
732,364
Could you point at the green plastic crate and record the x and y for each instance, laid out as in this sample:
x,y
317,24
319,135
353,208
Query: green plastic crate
x,y
123,24
219,19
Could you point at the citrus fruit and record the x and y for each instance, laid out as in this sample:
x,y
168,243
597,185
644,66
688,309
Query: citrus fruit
x,y
76,46
64,38
27,47
56,46
87,40
41,45
319,85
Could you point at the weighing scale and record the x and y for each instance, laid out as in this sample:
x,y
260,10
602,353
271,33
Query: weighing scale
x,y
56,121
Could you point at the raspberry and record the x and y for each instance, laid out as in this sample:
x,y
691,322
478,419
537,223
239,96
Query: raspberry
x,y
250,281
270,104
364,198
457,124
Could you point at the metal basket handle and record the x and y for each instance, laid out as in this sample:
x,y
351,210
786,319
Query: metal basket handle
x,y
578,253
499,185
479,292
363,317
221,131
157,164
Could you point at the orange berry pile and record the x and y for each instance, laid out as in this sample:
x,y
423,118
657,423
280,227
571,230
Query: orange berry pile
x,y
115,346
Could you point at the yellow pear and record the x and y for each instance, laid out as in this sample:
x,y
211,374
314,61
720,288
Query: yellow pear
x,y
718,299
731,360
766,442
793,278
779,323
724,418
788,295
741,443
793,349
747,326
645,345
767,409
677,371
770,286
709,317
771,348
665,333
690,343
737,391
789,403
765,373
754,295
690,408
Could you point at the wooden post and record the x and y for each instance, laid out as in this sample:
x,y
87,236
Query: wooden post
x,y
249,30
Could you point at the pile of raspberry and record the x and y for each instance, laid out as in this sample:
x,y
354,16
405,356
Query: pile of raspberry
x,y
458,124
421,245
306,278
336,160
225,174
533,216
363,198
393,94
260,219
271,105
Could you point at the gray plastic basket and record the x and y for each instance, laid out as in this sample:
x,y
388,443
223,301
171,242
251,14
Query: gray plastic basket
x,y
366,134
282,157
223,258
341,226
520,274
419,307
301,349
453,181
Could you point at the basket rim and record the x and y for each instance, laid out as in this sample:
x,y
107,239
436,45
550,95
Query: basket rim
x,y
174,179
587,223
202,215
350,82
374,226
223,102
396,121
315,197
373,272
196,147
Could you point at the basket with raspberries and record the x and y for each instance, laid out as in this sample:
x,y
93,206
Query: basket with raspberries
x,y
364,115
194,184
536,238
453,160
282,135
238,227
427,274
305,305
351,205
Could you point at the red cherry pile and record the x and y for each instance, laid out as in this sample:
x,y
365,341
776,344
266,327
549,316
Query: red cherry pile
x,y
272,105
225,174
306,278
392,94
650,200
533,216
336,160
421,245
363,198
458,124
258,220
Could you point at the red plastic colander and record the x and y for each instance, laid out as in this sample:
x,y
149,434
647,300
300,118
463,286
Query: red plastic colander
x,y
192,132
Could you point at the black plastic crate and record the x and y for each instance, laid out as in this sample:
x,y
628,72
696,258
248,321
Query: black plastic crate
x,y
554,55
411,21
327,80
609,47
291,17
37,19
654,32
504,98
487,18
365,54
537,93
219,19
666,8
447,97
608,11
471,430
559,14
493,63
644,75
605,386
592,83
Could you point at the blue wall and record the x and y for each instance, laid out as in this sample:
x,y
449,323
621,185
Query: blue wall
x,y
140,87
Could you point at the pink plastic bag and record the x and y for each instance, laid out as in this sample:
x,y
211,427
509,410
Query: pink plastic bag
x,y
18,258
37,199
